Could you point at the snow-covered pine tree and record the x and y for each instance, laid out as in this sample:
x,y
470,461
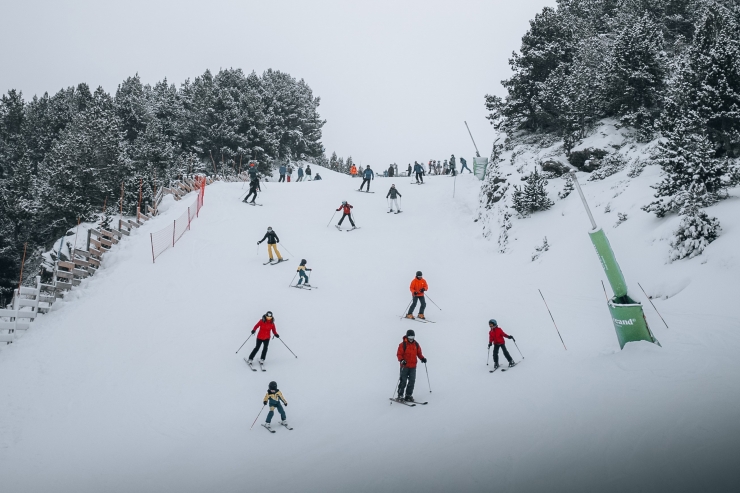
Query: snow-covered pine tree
x,y
695,232
347,165
532,197
334,162
687,157
567,187
494,186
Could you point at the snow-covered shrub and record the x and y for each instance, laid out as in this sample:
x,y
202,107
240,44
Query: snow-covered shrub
x,y
567,188
540,249
695,232
611,164
636,168
579,158
505,225
531,197
621,217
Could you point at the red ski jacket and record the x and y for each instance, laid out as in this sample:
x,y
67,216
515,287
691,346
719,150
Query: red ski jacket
x,y
496,335
409,351
346,208
265,327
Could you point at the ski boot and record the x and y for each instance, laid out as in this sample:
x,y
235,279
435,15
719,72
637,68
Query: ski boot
x,y
262,362
285,423
496,367
512,363
409,398
249,362
421,316
410,316
267,425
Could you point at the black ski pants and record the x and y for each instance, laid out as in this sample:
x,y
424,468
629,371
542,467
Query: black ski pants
x,y
282,178
496,347
423,306
365,180
260,342
419,177
408,380
350,219
252,191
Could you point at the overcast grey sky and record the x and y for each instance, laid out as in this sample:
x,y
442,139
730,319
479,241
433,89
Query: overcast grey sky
x,y
396,78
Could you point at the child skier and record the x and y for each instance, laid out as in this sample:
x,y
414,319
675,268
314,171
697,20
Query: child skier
x,y
302,273
408,352
274,398
394,194
418,286
265,325
347,209
496,338
272,241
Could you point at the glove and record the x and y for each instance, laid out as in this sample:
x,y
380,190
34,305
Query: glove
x,y
286,404
259,242
511,337
277,335
416,293
489,345
423,360
254,330
422,290
403,362
264,403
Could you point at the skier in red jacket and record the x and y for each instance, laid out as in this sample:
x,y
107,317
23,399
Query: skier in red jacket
x,y
496,338
347,212
408,352
265,326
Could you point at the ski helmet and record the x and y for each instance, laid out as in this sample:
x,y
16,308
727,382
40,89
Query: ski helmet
x,y
303,261
344,202
410,333
272,385
268,314
269,228
418,273
393,185
493,322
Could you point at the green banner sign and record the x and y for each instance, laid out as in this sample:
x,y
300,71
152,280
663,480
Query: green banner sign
x,y
609,262
630,323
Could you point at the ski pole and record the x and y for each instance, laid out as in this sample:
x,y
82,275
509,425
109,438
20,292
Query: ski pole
x,y
651,302
433,302
428,384
407,308
240,347
258,416
281,340
398,384
517,348
258,249
286,248
488,353
332,218
553,321
291,281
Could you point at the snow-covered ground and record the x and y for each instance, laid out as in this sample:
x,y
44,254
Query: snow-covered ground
x,y
132,383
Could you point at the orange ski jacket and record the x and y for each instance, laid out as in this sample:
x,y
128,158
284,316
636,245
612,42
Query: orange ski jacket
x,y
418,286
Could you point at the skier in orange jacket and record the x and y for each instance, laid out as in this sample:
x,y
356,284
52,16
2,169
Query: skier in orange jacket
x,y
418,287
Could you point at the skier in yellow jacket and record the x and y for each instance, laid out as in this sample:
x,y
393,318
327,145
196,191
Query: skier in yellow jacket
x,y
274,398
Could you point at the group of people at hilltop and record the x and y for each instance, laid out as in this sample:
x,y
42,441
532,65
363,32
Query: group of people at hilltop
x,y
286,172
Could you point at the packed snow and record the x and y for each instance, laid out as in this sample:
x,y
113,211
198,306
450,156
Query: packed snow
x,y
132,382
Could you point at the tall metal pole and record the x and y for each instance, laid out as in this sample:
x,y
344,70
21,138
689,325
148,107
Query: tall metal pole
x,y
477,154
583,199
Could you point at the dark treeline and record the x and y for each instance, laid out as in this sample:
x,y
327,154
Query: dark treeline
x,y
662,68
63,157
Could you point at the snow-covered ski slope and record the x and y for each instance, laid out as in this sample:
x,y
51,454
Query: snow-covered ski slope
x,y
133,384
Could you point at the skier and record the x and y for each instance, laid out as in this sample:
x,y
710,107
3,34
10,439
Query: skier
x,y
302,273
346,208
274,398
265,325
390,171
367,175
282,171
318,177
272,241
300,173
353,171
290,172
408,352
418,287
409,170
308,172
419,170
393,193
453,171
430,166
464,165
253,172
254,185
496,338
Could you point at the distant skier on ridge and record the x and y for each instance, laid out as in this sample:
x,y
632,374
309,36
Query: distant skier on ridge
x,y
418,287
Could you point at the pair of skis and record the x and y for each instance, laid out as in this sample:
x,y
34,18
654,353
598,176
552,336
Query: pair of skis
x,y
252,203
347,230
408,403
264,425
397,212
422,320
365,191
271,262
262,365
504,369
304,286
